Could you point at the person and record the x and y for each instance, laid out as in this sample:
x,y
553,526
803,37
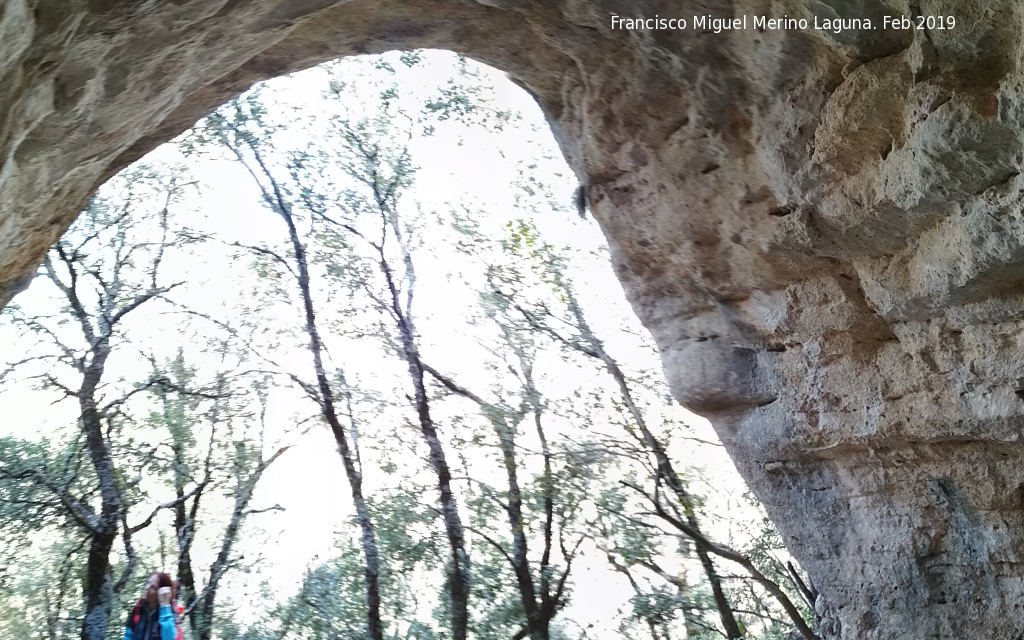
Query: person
x,y
152,617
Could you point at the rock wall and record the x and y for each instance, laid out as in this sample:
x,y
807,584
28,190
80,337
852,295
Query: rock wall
x,y
821,229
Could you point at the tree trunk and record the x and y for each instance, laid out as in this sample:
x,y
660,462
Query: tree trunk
x,y
184,528
325,398
99,596
505,433
98,587
665,469
459,572
371,564
458,578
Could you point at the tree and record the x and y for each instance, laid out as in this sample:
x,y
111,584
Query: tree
x,y
330,604
36,595
103,279
241,130
671,501
339,199
542,589
234,457
92,483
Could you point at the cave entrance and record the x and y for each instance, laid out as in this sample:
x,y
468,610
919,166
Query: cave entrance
x,y
228,347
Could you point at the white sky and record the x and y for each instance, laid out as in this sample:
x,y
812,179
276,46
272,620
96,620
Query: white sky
x,y
466,165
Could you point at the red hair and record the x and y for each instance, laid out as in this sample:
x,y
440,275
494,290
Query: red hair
x,y
162,580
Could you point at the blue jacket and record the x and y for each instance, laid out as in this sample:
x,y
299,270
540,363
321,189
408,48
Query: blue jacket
x,y
143,623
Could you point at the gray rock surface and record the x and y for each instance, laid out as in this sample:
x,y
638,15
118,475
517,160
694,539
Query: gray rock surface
x,y
822,230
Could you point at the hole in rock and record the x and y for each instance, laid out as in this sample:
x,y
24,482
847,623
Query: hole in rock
x,y
357,295
781,211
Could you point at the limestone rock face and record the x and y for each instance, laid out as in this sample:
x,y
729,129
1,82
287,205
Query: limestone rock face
x,y
822,230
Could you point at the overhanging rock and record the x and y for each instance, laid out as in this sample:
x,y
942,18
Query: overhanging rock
x,y
821,228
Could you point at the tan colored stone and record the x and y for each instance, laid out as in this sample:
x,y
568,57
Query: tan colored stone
x,y
822,231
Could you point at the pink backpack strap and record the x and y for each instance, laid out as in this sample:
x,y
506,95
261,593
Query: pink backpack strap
x,y
178,635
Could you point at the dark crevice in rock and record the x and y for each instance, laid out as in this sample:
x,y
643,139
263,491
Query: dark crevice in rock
x,y
781,211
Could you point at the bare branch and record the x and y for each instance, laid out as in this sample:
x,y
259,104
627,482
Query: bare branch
x,y
139,300
269,253
80,511
275,507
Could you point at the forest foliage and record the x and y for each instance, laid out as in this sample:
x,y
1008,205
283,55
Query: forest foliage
x,y
504,450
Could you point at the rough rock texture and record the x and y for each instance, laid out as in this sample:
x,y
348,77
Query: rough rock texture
x,y
823,231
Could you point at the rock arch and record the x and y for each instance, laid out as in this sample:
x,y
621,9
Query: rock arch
x,y
822,230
